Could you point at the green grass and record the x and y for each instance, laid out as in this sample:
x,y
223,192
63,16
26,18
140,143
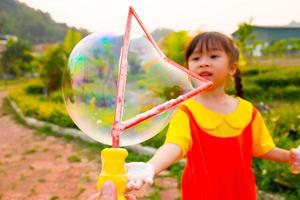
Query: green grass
x,y
8,83
30,151
74,159
270,83
54,198
8,110
157,140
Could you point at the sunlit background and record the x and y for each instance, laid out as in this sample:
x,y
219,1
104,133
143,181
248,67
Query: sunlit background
x,y
174,14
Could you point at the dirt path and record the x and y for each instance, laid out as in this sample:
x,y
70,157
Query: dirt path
x,y
33,167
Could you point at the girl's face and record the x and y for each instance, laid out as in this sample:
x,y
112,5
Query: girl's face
x,y
213,65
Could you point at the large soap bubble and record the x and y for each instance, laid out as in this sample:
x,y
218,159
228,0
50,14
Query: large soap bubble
x,y
90,85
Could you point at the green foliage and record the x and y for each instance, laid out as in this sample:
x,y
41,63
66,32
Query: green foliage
x,y
283,121
246,38
34,89
282,47
46,108
55,61
16,59
74,158
8,83
71,39
268,84
174,44
29,24
158,140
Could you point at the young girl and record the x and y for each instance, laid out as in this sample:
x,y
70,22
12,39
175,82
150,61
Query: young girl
x,y
219,134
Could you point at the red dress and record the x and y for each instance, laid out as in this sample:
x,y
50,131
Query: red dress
x,y
219,168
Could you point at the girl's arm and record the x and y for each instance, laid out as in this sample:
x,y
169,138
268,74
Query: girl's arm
x,y
277,154
164,157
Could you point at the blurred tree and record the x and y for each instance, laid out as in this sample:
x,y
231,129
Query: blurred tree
x,y
16,58
174,44
282,47
294,45
246,39
134,62
29,24
54,62
71,39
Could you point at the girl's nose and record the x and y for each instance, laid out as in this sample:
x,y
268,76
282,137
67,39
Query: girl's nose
x,y
204,62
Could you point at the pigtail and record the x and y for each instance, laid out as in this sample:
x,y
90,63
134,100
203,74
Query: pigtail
x,y
238,83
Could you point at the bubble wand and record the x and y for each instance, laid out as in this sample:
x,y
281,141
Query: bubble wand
x,y
113,159
114,169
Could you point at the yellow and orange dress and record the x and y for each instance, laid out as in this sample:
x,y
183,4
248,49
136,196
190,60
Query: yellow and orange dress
x,y
219,150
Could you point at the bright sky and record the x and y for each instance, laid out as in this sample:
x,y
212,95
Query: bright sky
x,y
218,15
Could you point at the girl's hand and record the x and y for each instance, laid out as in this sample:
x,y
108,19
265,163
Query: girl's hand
x,y
109,192
294,160
139,173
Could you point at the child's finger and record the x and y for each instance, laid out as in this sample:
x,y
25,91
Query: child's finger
x,y
134,185
149,180
108,191
128,189
137,184
293,154
130,185
130,197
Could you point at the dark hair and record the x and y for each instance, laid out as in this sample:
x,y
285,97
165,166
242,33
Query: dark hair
x,y
214,40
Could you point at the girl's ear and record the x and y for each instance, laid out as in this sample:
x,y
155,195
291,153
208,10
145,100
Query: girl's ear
x,y
233,69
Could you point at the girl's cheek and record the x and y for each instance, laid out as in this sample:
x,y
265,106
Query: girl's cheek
x,y
193,69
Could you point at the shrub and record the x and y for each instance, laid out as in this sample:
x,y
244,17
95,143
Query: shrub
x,y
34,89
40,106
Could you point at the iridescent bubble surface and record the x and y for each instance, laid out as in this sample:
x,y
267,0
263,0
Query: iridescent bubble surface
x,y
90,85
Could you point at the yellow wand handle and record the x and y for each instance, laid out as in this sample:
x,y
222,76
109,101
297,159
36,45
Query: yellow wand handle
x,y
113,169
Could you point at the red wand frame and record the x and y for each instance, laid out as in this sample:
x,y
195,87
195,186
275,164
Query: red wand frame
x,y
119,126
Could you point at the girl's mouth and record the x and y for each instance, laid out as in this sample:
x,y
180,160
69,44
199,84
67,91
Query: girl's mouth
x,y
205,74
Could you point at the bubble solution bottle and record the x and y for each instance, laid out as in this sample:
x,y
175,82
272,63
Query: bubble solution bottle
x,y
113,169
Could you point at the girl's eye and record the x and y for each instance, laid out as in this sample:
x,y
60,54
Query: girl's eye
x,y
195,58
214,56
